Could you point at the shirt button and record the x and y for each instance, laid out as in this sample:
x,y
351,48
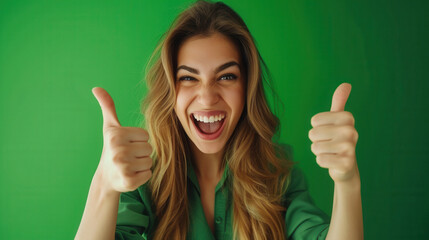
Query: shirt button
x,y
218,220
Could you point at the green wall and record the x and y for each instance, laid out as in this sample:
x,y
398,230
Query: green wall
x,y
53,52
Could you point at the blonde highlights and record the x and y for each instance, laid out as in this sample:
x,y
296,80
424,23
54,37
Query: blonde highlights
x,y
259,168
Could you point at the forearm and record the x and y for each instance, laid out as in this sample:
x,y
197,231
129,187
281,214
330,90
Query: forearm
x,y
100,214
347,220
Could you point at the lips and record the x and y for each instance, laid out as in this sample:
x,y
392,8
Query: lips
x,y
209,131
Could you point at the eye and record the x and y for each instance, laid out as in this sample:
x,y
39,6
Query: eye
x,y
186,78
228,77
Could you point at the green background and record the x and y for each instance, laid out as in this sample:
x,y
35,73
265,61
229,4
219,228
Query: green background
x,y
53,52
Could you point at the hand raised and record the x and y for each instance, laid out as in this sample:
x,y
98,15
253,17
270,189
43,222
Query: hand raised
x,y
334,138
125,161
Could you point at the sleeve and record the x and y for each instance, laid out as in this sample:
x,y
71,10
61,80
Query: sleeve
x,y
133,216
304,220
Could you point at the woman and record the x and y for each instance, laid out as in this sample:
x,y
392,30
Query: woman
x,y
216,173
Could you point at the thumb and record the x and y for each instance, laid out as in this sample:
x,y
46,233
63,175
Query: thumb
x,y
107,107
340,97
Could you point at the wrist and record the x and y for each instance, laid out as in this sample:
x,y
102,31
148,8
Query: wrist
x,y
102,187
352,184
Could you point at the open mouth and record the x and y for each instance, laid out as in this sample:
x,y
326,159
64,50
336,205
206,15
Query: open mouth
x,y
209,130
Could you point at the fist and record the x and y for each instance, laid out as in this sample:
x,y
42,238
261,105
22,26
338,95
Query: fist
x,y
125,162
334,138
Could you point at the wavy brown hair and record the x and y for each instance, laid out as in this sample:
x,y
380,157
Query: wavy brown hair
x,y
258,166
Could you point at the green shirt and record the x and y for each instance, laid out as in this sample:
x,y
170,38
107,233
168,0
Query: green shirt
x,y
304,220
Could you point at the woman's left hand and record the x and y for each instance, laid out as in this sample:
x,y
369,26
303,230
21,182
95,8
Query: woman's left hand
x,y
334,138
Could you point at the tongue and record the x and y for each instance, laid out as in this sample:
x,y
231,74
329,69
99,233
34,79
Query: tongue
x,y
209,128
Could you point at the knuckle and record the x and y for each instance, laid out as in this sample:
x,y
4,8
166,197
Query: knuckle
x,y
147,161
344,145
149,174
150,148
145,133
141,132
315,119
347,146
349,116
348,163
348,131
319,159
314,147
311,133
144,177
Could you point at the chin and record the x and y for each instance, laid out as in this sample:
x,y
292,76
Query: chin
x,y
209,148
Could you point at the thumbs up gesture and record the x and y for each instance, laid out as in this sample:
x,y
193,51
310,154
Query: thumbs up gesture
x,y
334,138
125,161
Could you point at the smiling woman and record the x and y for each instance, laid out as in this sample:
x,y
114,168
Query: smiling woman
x,y
216,173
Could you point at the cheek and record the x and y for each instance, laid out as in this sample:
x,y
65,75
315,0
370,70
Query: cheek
x,y
237,99
182,103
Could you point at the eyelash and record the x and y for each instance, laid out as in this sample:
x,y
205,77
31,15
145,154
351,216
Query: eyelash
x,y
229,76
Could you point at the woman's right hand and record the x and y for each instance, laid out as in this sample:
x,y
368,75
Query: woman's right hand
x,y
125,162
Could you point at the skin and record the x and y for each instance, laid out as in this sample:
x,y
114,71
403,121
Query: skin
x,y
204,91
334,140
124,166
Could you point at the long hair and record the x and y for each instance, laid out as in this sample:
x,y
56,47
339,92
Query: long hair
x,y
258,166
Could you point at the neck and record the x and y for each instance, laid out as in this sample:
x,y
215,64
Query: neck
x,y
207,167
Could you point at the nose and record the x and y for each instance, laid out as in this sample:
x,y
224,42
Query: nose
x,y
208,94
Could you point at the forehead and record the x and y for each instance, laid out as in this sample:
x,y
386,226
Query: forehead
x,y
205,51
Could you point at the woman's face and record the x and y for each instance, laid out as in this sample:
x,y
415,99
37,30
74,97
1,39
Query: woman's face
x,y
209,87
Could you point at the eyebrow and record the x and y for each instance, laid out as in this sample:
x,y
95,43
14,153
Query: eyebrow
x,y
218,69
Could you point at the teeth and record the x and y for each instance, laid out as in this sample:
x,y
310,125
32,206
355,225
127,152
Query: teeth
x,y
210,119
